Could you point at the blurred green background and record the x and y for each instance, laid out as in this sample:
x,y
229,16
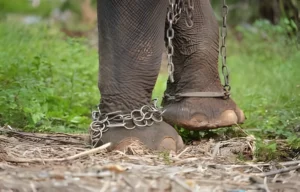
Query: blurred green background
x,y
49,64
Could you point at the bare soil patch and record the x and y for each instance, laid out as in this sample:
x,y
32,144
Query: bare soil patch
x,y
64,162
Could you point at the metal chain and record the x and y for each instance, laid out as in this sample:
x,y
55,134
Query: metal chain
x,y
223,53
175,9
170,36
145,116
189,8
179,6
174,12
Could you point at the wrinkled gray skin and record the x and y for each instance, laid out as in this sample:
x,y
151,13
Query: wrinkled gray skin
x,y
131,42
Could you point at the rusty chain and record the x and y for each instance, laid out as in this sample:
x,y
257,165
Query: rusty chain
x,y
102,122
223,53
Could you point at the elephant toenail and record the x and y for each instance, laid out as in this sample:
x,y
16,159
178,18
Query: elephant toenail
x,y
167,143
241,115
229,117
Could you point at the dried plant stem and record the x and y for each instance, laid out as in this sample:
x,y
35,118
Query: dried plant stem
x,y
85,153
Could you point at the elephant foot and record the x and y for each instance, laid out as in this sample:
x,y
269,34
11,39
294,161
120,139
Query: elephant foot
x,y
203,113
159,136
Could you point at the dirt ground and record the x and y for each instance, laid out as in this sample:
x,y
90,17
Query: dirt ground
x,y
63,162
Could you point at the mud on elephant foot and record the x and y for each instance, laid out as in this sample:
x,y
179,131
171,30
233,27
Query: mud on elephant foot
x,y
203,113
159,136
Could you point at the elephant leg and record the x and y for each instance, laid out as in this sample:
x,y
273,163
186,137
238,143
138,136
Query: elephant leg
x,y
130,46
196,70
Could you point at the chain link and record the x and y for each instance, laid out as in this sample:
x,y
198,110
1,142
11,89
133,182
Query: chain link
x,y
174,12
179,5
145,116
189,8
175,9
170,36
223,53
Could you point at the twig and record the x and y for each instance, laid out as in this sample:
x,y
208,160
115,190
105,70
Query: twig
x,y
181,183
242,130
36,136
284,170
185,150
33,187
216,149
288,163
105,186
266,184
85,153
188,160
100,174
77,136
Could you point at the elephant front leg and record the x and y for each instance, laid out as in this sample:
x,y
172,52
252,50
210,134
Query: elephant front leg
x,y
196,70
130,45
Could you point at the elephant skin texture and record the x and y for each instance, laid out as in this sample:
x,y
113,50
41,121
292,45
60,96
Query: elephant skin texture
x,y
131,42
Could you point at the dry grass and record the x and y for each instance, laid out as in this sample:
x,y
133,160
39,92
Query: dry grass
x,y
64,162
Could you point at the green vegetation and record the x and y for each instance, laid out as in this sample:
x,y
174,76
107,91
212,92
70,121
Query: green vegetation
x,y
24,7
49,82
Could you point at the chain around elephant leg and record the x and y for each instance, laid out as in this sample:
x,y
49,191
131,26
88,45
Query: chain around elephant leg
x,y
175,10
147,115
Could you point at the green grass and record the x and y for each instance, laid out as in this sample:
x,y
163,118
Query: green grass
x,y
46,82
25,7
49,82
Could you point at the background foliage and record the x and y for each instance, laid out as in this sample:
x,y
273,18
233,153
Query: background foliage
x,y
48,70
